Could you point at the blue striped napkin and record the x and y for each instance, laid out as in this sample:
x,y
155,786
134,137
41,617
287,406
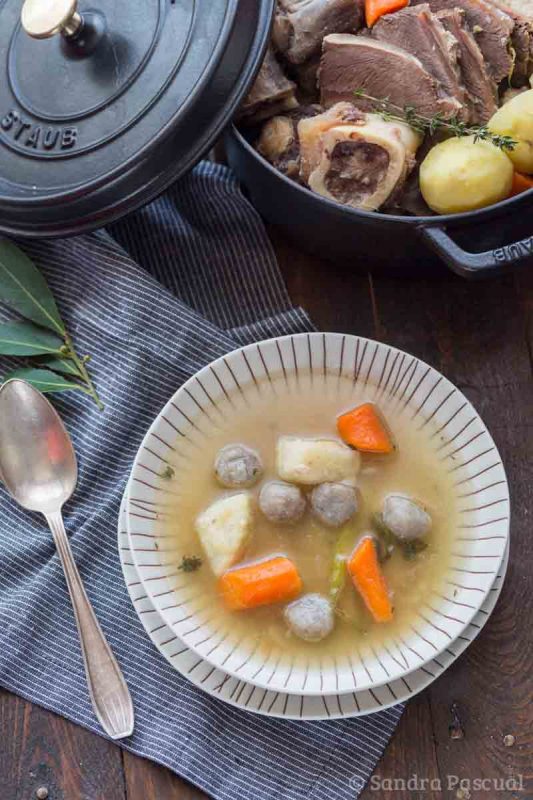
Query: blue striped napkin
x,y
154,298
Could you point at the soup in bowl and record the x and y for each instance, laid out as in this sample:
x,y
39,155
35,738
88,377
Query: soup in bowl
x,y
318,514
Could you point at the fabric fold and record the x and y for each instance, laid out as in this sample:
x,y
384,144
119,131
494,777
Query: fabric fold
x,y
153,299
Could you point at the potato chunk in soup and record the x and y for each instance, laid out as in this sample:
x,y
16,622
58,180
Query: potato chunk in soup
x,y
224,529
312,461
291,565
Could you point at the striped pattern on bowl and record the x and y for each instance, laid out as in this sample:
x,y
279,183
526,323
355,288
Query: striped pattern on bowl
x,y
249,697
402,384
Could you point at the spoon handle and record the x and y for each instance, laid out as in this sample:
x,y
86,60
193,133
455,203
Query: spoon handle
x,y
107,688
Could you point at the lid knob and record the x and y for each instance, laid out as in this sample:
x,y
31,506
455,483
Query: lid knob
x,y
42,19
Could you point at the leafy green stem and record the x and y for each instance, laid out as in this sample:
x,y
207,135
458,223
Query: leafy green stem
x,y
392,112
43,334
80,365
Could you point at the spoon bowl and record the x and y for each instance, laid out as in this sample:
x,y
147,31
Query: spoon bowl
x,y
39,470
38,461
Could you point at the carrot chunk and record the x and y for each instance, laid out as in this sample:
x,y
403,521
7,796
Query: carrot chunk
x,y
365,429
521,183
374,9
266,582
369,580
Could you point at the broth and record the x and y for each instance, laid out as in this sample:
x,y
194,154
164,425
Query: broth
x,y
308,406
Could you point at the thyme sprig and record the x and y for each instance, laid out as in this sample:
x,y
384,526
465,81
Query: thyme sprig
x,y
190,563
391,112
168,473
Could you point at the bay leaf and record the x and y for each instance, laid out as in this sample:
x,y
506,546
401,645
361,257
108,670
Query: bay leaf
x,y
27,339
65,366
45,381
23,288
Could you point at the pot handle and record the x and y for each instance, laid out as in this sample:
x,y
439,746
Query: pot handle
x,y
476,265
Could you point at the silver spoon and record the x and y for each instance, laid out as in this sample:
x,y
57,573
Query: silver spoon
x,y
38,466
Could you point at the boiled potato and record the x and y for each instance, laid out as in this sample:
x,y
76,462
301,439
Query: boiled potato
x,y
312,461
515,119
224,530
460,174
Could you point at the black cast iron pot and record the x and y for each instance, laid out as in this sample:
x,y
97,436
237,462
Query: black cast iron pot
x,y
103,105
477,244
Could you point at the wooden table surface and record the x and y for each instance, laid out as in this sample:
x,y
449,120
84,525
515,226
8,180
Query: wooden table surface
x,y
481,337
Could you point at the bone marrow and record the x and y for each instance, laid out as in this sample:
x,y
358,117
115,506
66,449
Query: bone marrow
x,y
320,110
362,165
356,169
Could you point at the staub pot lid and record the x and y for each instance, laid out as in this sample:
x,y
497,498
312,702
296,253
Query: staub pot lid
x,y
104,104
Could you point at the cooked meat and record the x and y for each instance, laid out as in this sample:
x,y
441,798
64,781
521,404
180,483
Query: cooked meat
x,y
522,8
311,617
522,13
408,199
306,76
362,165
521,38
335,503
278,143
300,25
271,94
522,41
492,28
420,32
405,518
382,70
312,129
481,90
237,466
282,502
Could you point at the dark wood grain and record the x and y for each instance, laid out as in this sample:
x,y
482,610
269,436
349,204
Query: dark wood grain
x,y
481,336
411,753
492,684
39,749
148,781
475,334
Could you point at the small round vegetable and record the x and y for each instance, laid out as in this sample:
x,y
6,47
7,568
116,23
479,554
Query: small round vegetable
x,y
405,518
334,503
237,466
310,617
515,119
462,175
281,502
